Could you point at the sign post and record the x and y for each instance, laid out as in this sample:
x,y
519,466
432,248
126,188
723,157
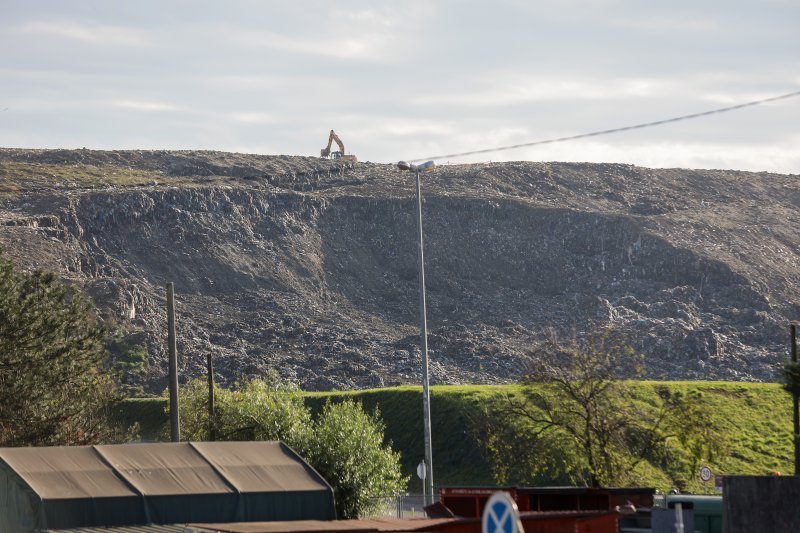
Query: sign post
x,y
500,515
705,476
421,473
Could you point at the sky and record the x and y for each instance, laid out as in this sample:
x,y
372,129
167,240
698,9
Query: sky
x,y
407,79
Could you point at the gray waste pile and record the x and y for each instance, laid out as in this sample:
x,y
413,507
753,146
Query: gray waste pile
x,y
308,267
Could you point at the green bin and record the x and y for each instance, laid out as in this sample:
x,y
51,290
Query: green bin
x,y
707,511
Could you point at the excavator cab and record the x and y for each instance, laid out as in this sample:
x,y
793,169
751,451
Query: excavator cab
x,y
330,155
326,152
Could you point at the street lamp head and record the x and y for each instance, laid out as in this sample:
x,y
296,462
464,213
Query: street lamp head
x,y
428,165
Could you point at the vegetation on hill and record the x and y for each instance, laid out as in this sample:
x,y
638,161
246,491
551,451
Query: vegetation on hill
x,y
753,421
16,177
576,422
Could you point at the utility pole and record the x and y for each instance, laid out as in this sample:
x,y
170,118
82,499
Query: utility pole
x,y
212,417
174,420
795,407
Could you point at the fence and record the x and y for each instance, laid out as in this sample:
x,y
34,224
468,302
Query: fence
x,y
403,506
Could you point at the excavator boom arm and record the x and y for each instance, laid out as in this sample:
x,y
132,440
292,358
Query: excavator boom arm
x,y
325,152
338,141
331,138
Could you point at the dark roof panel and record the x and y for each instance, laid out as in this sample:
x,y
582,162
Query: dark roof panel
x,y
65,472
260,466
164,468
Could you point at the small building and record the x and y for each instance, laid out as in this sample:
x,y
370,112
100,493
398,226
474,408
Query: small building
x,y
158,483
470,501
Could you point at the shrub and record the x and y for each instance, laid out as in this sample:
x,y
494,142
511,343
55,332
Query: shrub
x,y
344,444
347,449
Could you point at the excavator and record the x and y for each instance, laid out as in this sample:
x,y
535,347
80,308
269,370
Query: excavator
x,y
326,152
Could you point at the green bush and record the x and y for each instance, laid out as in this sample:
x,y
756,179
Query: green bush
x,y
346,448
127,361
344,444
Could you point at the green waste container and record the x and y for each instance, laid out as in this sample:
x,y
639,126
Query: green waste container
x,y
707,511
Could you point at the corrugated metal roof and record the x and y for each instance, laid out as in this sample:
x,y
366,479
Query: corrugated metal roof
x,y
124,484
371,525
152,528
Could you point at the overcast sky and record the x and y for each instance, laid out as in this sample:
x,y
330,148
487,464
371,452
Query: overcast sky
x,y
406,79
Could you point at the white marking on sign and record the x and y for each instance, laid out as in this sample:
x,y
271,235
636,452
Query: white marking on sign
x,y
705,474
421,470
500,514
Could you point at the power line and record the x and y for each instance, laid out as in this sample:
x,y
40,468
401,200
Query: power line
x,y
613,130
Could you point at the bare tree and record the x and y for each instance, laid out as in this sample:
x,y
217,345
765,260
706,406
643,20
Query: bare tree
x,y
576,417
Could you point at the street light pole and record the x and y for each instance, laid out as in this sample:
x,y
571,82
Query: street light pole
x,y
423,332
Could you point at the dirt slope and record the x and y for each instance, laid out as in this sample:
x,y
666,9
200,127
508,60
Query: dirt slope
x,y
309,267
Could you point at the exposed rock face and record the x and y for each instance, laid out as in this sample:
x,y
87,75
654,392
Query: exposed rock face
x,y
309,267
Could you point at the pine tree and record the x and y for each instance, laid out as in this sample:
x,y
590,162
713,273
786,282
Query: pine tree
x,y
53,386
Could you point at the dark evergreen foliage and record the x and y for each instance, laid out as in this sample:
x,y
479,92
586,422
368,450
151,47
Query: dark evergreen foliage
x,y
53,387
790,372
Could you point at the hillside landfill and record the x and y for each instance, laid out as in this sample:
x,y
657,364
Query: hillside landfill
x,y
308,267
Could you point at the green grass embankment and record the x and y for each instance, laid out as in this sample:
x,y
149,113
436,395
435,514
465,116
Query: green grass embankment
x,y
149,413
16,177
754,420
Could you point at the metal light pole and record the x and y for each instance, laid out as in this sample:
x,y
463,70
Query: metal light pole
x,y
423,331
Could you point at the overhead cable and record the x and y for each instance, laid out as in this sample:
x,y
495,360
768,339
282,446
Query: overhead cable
x,y
613,130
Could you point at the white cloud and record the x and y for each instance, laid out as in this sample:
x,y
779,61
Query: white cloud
x,y
57,104
510,89
253,118
493,137
669,22
781,158
366,46
268,81
376,127
369,16
35,105
143,105
736,97
99,34
372,34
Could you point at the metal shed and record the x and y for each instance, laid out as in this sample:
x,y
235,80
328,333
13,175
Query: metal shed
x,y
161,483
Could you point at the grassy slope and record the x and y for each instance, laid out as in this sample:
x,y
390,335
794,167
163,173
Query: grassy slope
x,y
755,419
457,459
148,413
16,176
